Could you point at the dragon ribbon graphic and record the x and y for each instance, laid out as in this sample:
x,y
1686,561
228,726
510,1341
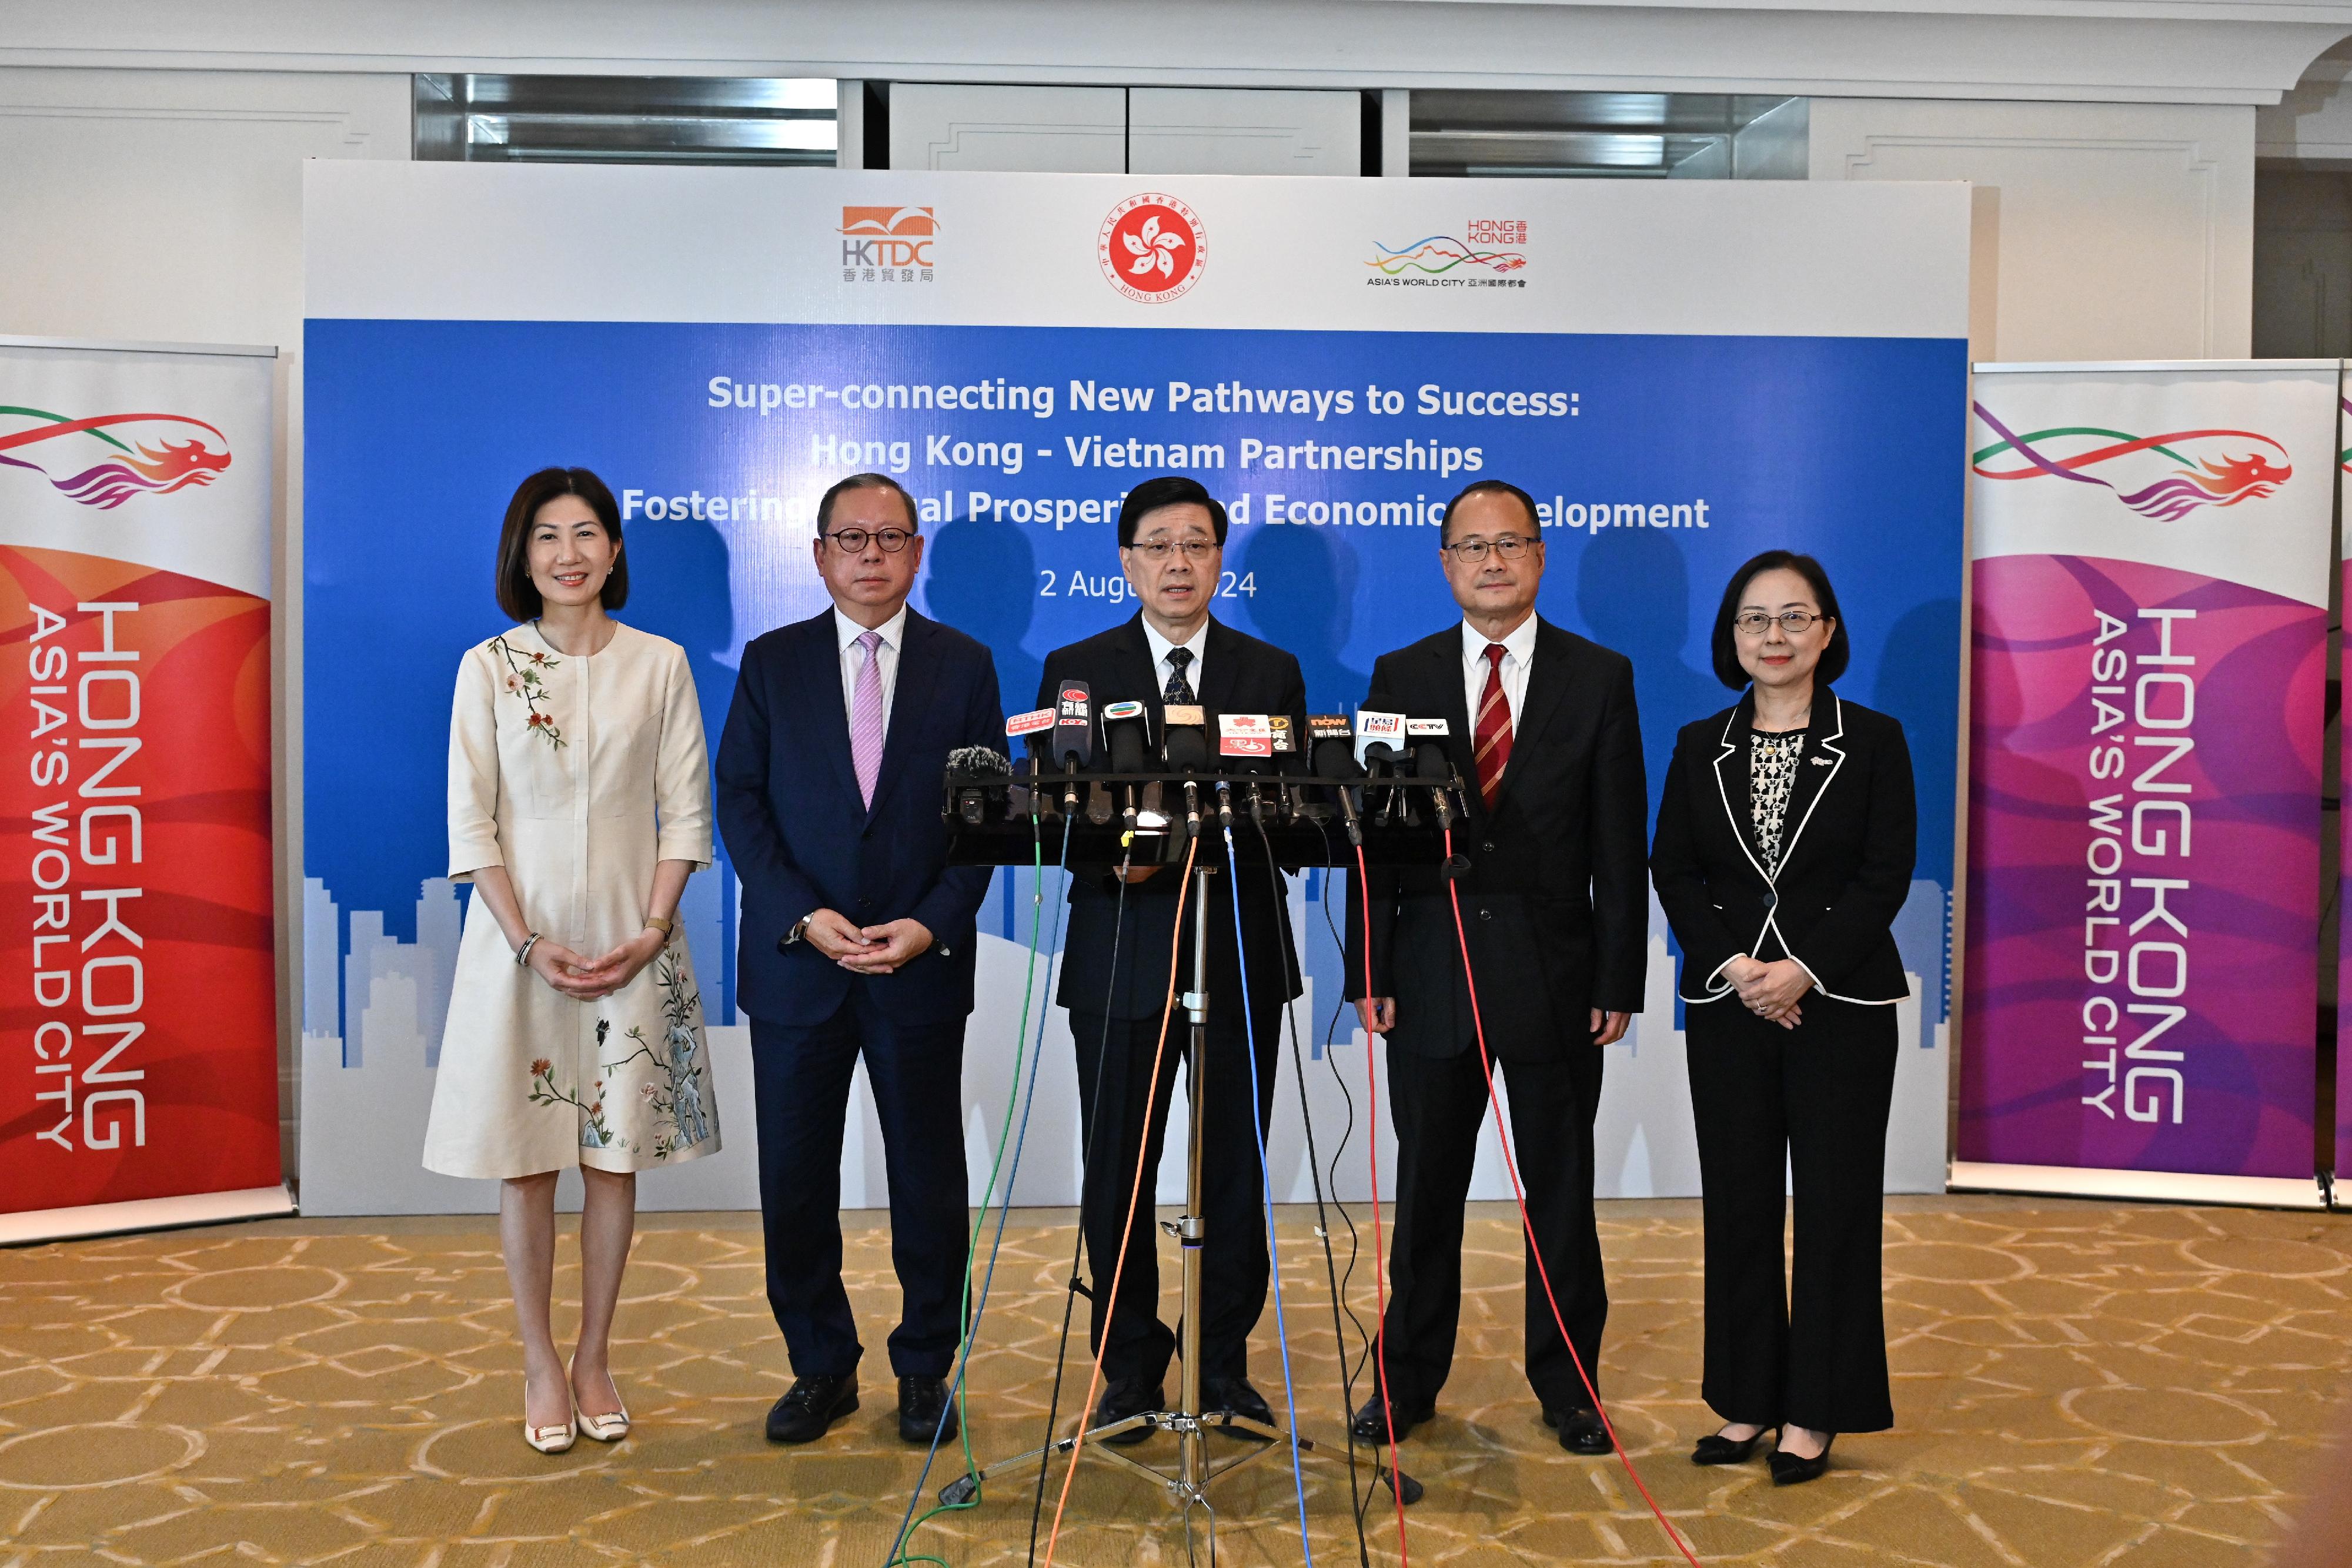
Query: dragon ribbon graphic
x,y
1438,253
2221,480
150,463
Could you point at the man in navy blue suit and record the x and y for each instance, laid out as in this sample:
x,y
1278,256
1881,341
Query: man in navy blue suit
x,y
858,940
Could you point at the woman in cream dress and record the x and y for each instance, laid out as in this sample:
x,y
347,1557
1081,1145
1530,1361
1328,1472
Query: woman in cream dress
x,y
579,804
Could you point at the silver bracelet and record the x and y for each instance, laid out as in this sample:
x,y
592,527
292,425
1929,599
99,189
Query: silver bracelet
x,y
522,953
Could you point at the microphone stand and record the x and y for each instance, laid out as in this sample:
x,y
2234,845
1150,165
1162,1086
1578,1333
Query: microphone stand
x,y
1187,1485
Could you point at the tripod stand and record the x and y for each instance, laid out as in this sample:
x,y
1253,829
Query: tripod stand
x,y
1187,1483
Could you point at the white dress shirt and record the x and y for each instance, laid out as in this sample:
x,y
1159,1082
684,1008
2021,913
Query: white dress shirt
x,y
1161,669
1519,656
853,659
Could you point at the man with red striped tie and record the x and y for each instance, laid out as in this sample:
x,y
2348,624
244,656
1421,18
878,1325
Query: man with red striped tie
x,y
1554,909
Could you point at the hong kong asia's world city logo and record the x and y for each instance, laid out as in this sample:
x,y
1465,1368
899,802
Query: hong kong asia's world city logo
x,y
1153,248
1495,247
2165,477
105,459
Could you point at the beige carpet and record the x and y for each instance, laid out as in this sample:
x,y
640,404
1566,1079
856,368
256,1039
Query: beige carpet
x,y
2077,1384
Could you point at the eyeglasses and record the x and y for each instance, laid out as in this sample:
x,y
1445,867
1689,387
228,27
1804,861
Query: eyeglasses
x,y
1470,552
1794,623
1195,549
854,539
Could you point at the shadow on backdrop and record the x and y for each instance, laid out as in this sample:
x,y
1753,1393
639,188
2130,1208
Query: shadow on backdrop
x,y
1305,601
1633,589
980,576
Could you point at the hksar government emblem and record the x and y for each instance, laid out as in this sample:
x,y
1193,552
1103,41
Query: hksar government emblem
x,y
1152,248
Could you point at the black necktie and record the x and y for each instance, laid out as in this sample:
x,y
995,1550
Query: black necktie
x,y
1180,690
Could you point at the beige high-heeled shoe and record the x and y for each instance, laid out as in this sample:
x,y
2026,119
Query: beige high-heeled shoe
x,y
609,1428
552,1439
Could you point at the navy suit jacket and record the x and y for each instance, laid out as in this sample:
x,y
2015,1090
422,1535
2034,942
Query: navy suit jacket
x,y
801,839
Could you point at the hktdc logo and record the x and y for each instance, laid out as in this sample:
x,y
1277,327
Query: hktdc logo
x,y
1153,248
887,244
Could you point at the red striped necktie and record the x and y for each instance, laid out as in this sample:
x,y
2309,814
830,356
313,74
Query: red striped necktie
x,y
1493,728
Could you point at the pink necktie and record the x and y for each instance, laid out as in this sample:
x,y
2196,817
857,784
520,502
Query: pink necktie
x,y
866,717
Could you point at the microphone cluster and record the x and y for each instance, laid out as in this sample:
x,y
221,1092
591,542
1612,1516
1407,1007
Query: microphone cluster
x,y
1099,762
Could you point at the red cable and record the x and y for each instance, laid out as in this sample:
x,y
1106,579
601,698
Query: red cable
x,y
1511,1165
1379,1271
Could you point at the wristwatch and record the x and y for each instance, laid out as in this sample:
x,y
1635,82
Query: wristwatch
x,y
661,922
799,930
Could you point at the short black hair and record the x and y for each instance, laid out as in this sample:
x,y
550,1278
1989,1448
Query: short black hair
x,y
518,595
1166,490
867,481
1490,488
1834,657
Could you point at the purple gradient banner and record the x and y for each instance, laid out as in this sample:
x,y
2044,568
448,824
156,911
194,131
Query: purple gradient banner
x,y
2144,819
2343,884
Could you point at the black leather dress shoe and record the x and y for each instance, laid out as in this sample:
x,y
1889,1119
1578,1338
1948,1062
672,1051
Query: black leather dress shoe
x,y
925,1411
1129,1397
1234,1396
1371,1424
810,1407
1788,1470
1714,1449
1580,1431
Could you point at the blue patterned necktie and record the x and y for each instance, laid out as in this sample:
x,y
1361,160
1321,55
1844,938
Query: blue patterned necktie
x,y
1180,690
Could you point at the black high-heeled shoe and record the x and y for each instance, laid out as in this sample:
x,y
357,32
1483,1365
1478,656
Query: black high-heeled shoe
x,y
1789,1470
1714,1449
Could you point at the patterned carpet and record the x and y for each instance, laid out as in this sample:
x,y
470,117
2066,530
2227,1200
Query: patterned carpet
x,y
2078,1384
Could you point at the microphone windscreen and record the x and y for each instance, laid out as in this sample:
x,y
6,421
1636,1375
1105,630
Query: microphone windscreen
x,y
1127,753
1336,760
979,759
1430,761
1188,750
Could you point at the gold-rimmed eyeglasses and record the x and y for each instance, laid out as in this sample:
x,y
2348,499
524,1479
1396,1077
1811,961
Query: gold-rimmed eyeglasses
x,y
1470,552
1793,622
1195,549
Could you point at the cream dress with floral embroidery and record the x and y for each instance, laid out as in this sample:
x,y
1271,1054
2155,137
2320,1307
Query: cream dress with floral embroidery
x,y
577,774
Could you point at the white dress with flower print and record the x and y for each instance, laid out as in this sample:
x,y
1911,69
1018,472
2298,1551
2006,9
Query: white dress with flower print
x,y
577,774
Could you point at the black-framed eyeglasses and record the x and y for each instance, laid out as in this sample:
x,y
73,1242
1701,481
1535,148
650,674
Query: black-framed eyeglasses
x,y
854,539
1470,552
1195,549
1794,623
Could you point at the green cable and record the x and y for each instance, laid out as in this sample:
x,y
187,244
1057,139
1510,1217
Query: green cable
x,y
898,1557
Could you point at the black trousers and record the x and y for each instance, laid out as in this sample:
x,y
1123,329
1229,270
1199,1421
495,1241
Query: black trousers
x,y
1114,1080
1437,1105
1807,1345
801,1077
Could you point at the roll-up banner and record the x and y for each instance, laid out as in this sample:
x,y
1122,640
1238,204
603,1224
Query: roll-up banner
x,y
140,1082
2342,1163
2151,565
1682,373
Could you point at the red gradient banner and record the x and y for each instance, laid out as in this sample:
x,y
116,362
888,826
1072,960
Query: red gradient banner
x,y
138,1055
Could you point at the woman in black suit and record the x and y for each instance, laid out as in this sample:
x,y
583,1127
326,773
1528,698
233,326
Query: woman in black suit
x,y
1784,849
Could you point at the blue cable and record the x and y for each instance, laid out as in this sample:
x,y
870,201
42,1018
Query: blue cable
x,y
1266,1184
907,1522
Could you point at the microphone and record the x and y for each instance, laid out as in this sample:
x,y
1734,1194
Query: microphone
x,y
1127,737
1380,742
1431,765
1185,744
1334,761
1073,737
972,799
1031,728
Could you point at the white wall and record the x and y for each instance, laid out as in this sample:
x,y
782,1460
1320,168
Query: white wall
x,y
167,206
1111,130
2104,231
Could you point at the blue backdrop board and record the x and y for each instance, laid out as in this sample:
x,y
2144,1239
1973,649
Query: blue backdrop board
x,y
1683,375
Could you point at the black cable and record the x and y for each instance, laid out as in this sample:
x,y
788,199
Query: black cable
x,y
1347,1134
1077,1244
1322,1223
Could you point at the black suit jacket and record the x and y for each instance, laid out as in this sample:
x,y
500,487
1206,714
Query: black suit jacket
x,y
1239,675
1555,904
1847,845
803,839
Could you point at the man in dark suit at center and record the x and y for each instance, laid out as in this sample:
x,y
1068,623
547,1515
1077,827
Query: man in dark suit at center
x,y
1171,537
858,940
1555,907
